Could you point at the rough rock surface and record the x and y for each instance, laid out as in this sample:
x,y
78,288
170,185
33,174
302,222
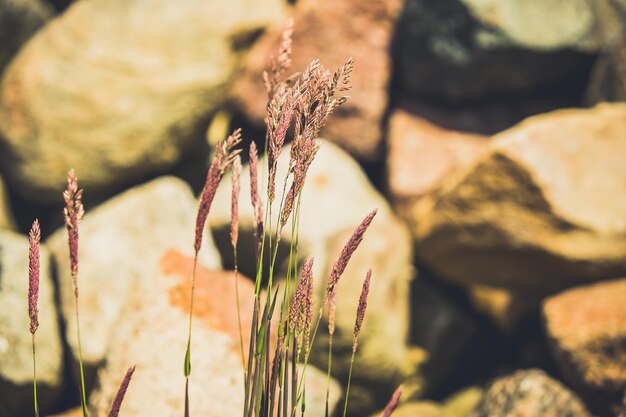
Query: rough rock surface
x,y
503,307
467,49
336,197
421,155
121,245
16,360
119,89
6,217
153,337
19,20
529,393
539,211
332,31
587,330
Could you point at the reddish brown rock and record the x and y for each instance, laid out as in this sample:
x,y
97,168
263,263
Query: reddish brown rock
x,y
587,328
529,393
333,31
422,154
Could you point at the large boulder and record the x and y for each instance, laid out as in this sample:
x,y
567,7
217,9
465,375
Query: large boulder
x,y
6,217
468,49
421,155
587,330
16,360
541,211
332,31
529,393
336,197
19,20
153,338
119,89
121,245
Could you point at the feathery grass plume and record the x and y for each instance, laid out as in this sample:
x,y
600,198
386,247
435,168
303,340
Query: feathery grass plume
x,y
33,275
301,312
360,315
348,250
33,294
223,158
121,392
393,402
73,213
278,65
234,237
255,197
234,206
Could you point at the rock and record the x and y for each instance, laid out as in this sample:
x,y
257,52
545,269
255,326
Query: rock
x,y
469,49
19,20
587,330
421,155
528,393
504,308
332,31
16,360
116,90
6,217
121,245
153,337
418,409
336,198
541,211
73,412
461,403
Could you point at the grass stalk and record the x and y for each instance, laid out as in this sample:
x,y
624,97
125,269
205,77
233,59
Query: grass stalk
x,y
36,404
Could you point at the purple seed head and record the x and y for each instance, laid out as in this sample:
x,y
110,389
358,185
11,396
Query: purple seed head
x,y
360,312
348,250
223,158
33,275
234,207
393,402
121,392
73,214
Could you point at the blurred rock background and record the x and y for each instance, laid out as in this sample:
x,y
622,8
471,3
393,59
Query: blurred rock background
x,y
490,134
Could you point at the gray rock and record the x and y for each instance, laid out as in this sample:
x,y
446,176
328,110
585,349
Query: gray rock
x,y
467,49
529,393
19,20
119,89
122,243
541,211
16,360
335,199
6,217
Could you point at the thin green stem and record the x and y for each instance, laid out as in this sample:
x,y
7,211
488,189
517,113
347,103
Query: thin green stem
x,y
83,398
243,358
187,366
35,380
330,361
345,404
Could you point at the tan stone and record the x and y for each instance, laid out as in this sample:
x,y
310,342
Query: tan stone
x,y
503,307
422,154
6,217
119,89
587,330
542,210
